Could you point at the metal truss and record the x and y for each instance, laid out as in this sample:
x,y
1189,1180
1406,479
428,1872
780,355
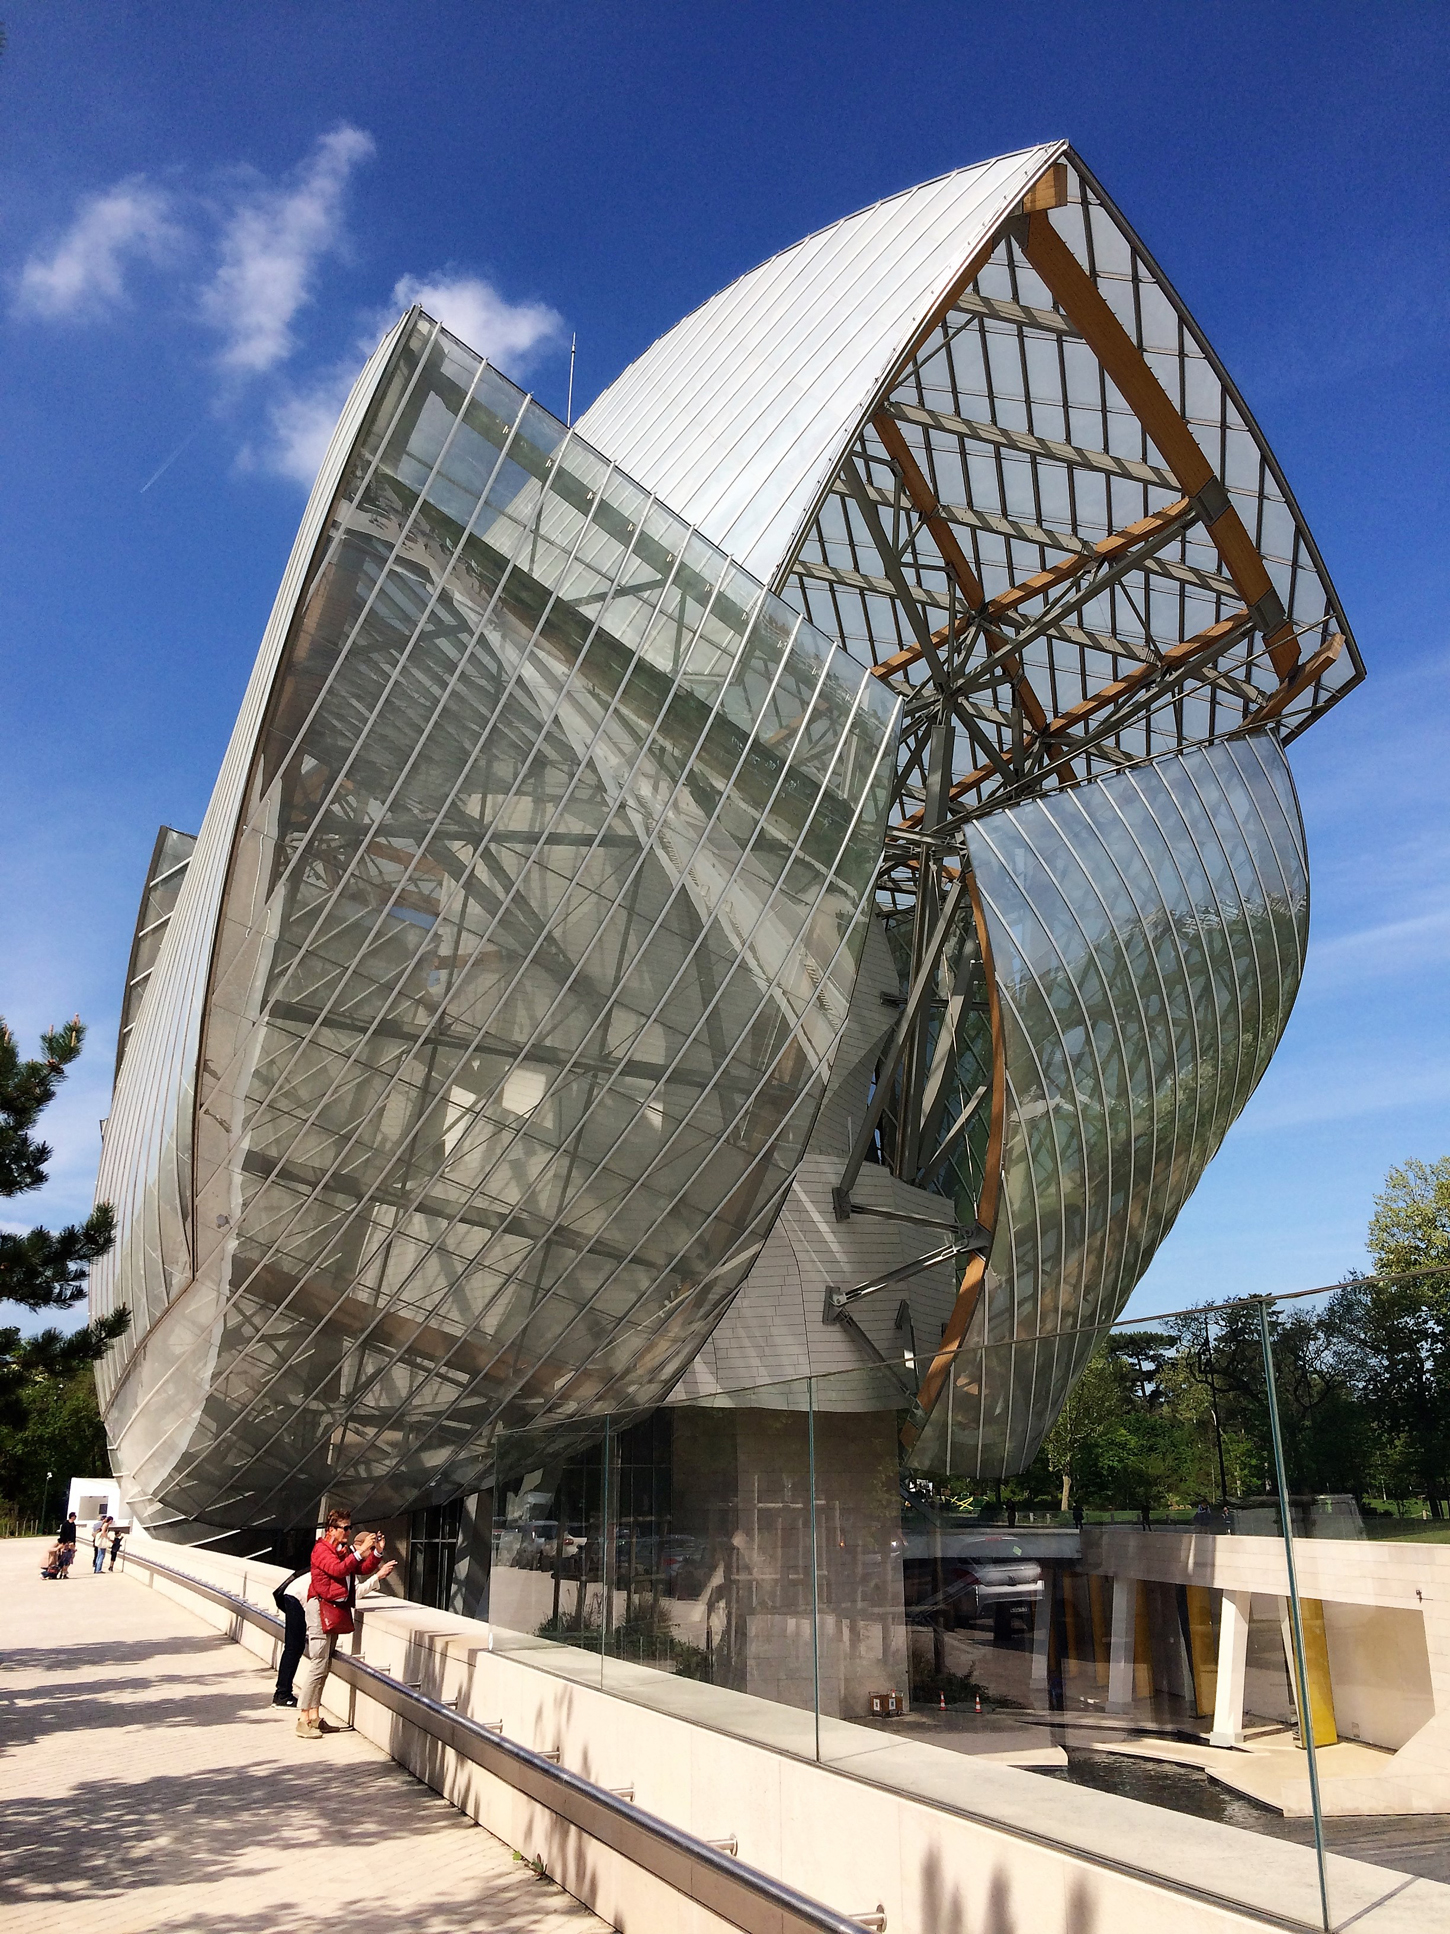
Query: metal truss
x,y
1060,539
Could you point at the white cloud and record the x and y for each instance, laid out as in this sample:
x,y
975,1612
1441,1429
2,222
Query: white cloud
x,y
302,422
1373,1085
302,419
270,250
506,333
85,273
1393,947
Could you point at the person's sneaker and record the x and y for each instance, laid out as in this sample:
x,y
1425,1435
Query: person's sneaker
x,y
304,1731
284,1699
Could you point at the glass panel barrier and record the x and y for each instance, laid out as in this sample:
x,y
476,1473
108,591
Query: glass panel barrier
x,y
781,1564
711,1562
546,1592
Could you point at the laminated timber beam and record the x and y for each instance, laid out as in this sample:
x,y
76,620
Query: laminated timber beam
x,y
923,496
1308,674
1072,288
1025,532
1108,551
1188,655
1114,551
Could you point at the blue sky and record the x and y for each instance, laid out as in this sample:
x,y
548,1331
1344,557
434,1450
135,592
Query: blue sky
x,y
207,214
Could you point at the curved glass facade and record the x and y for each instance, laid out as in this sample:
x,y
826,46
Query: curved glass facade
x,y
1148,935
469,1072
540,922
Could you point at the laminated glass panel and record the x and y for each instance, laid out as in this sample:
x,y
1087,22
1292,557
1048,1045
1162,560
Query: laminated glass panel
x,y
541,897
1147,935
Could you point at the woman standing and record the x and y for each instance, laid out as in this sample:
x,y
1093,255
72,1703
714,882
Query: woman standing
x,y
337,1564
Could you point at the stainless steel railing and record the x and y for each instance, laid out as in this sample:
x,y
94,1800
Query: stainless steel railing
x,y
699,1870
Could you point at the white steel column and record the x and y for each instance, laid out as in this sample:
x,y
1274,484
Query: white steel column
x,y
1120,1655
1233,1653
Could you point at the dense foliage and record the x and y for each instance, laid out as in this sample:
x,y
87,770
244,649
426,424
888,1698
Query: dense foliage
x,y
48,1415
1164,1418
59,1430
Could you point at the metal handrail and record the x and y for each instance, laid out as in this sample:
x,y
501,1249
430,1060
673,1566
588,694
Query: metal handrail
x,y
849,1924
740,1894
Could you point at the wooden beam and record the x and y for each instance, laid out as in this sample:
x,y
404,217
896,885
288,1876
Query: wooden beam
x,y
1072,288
1312,669
1048,191
1107,551
1175,656
923,497
1021,528
918,488
1203,642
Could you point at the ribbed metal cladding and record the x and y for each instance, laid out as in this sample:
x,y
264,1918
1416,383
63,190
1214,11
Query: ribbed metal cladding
x,y
1148,935
534,930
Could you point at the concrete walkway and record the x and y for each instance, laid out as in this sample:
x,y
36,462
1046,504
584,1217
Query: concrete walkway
x,y
148,1786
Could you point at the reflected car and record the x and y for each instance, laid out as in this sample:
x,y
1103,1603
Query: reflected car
x,y
958,1585
685,1566
538,1546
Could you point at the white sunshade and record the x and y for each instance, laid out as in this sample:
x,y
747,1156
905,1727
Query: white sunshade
x,y
738,417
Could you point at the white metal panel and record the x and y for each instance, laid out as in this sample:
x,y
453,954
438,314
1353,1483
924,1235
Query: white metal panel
x,y
740,415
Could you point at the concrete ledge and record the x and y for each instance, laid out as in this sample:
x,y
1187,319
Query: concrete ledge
x,y
945,1843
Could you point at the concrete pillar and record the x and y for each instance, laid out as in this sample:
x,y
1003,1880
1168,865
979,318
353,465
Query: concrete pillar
x,y
1233,1657
1120,1655
1198,1605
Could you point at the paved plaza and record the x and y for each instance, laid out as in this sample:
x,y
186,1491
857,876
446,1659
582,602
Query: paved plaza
x,y
148,1786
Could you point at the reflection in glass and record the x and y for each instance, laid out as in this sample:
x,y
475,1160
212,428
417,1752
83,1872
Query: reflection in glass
x,y
1147,935
543,911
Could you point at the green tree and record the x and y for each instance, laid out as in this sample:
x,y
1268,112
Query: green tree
x,y
1094,1406
58,1429
41,1269
1390,1333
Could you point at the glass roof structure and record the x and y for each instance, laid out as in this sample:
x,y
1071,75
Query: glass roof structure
x,y
933,574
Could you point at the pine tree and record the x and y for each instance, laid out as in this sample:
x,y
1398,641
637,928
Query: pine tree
x,y
44,1270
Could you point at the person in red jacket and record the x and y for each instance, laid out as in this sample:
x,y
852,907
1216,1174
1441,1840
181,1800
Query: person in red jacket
x,y
337,1563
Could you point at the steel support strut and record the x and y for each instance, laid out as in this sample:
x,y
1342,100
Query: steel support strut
x,y
916,1002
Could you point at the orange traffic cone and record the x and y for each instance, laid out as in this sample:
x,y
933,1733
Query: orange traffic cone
x,y
979,1702
943,1702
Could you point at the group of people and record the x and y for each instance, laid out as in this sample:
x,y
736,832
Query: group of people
x,y
106,1536
317,1603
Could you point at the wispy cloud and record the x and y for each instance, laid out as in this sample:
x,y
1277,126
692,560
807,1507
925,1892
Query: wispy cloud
x,y
1369,1086
511,334
84,273
301,422
475,312
1407,946
270,251
247,259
